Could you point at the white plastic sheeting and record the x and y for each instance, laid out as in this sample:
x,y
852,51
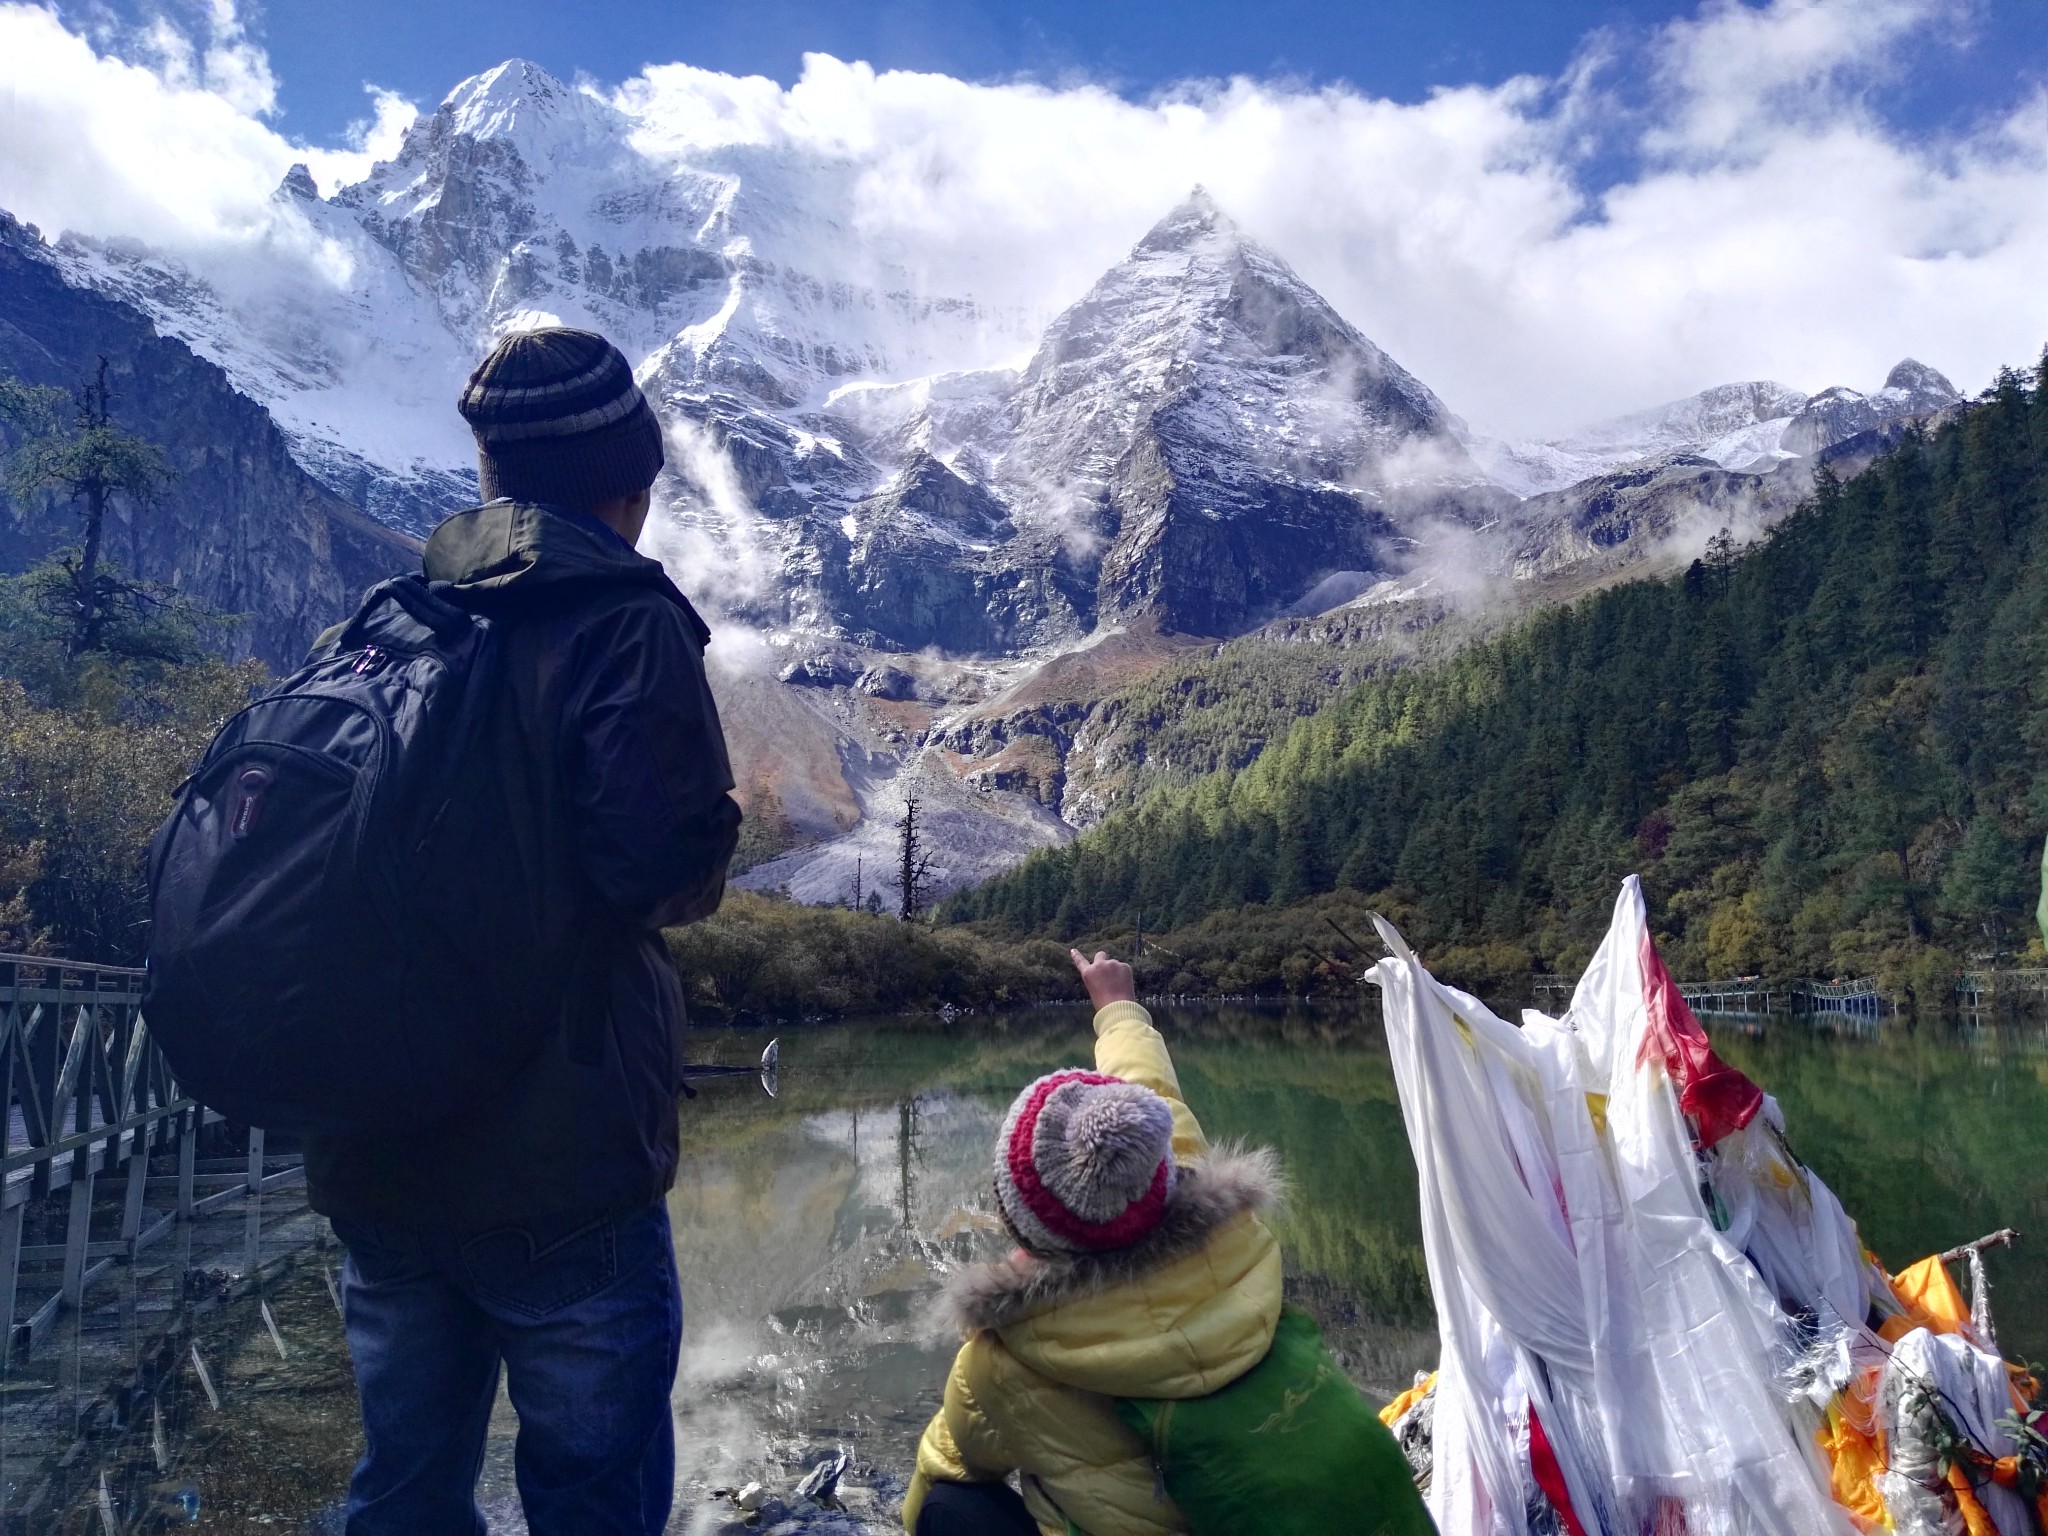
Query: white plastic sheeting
x,y
1945,1373
1790,1224
1576,1270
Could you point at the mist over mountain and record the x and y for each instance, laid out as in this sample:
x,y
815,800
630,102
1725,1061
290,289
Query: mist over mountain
x,y
901,503
240,525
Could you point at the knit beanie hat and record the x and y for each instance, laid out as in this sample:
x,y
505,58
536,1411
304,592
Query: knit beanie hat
x,y
1084,1163
558,418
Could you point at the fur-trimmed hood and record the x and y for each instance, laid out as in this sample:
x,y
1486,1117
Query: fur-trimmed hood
x,y
1214,1188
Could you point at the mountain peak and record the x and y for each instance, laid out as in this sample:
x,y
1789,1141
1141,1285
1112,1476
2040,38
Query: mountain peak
x,y
500,102
1196,221
1914,377
298,182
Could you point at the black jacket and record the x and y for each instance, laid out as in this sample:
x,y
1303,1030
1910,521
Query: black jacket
x,y
606,667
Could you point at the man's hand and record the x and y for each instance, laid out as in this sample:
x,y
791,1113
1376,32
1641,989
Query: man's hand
x,y
1108,981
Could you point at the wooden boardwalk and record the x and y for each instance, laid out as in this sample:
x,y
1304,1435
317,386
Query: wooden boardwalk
x,y
117,1190
1753,997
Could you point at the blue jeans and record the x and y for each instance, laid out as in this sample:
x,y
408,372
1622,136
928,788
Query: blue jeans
x,y
585,1316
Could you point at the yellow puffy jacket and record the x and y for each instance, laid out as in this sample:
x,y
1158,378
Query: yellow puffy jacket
x,y
1051,1343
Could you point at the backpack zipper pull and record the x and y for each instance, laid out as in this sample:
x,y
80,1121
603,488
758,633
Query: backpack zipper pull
x,y
371,656
251,785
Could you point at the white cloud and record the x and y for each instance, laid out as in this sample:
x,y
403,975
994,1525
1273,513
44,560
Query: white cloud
x,y
169,150
235,68
1773,225
1769,223
369,139
1737,72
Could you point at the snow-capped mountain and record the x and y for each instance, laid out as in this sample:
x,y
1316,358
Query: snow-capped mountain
x,y
922,506
1226,438
1750,427
523,201
1197,444
1194,444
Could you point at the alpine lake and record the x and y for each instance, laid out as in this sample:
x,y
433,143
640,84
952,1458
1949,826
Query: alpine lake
x,y
814,1227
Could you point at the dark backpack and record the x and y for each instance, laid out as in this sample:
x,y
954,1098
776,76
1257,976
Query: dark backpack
x,y
350,928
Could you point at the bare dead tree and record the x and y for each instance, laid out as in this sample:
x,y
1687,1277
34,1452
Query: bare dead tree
x,y
913,864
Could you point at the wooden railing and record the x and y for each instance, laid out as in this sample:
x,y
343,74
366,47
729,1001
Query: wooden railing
x,y
88,1095
1973,987
1752,997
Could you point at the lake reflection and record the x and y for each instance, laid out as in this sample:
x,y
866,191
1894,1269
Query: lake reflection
x,y
814,1229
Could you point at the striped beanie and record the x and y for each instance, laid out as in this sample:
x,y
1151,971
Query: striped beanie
x,y
558,419
1084,1163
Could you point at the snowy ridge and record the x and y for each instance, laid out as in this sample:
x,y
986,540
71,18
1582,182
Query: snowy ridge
x,y
1750,426
1197,443
896,501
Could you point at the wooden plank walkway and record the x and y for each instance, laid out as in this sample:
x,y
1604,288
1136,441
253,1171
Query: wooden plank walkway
x,y
102,1158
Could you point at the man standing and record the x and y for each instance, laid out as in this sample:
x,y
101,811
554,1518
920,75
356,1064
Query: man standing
x,y
532,1234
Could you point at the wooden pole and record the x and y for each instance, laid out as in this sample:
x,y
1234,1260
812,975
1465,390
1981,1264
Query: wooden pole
x,y
188,1152
2004,1237
10,1272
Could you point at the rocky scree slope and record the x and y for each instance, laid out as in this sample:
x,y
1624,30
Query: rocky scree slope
x,y
1198,447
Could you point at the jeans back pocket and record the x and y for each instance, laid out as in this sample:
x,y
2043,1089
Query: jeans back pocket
x,y
537,1272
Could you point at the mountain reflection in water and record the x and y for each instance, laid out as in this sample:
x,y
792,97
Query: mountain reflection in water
x,y
814,1230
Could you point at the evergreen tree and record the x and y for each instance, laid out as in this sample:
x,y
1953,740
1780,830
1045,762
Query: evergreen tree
x,y
72,446
1824,751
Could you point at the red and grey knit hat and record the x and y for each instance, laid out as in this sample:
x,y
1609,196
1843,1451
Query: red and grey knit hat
x,y
558,418
1084,1163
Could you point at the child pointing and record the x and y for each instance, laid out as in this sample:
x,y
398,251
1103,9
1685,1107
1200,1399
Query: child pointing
x,y
1131,1362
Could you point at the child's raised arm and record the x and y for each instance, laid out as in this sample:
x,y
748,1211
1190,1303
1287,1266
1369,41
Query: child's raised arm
x,y
1127,1045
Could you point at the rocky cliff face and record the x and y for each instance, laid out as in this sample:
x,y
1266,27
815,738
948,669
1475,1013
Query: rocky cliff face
x,y
943,540
242,527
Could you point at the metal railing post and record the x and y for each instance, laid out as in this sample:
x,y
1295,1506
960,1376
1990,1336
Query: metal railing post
x,y
255,1160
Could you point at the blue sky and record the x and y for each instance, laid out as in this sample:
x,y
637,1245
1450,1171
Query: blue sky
x,y
1799,190
324,51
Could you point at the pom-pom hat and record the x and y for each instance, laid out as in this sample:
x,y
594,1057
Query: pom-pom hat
x,y
1084,1163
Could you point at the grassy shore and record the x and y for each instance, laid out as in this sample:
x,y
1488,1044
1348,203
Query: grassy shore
x,y
767,958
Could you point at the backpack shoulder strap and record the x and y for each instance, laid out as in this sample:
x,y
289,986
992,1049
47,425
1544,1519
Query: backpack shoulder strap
x,y
534,686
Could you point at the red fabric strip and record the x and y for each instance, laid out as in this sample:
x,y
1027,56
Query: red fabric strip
x,y
1719,1099
1550,1476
